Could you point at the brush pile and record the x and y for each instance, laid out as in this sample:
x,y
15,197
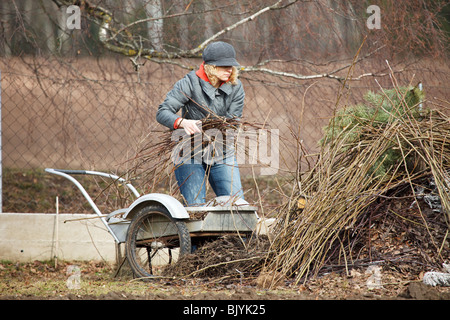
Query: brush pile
x,y
226,258
379,192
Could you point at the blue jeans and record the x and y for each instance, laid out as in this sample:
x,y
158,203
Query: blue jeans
x,y
223,177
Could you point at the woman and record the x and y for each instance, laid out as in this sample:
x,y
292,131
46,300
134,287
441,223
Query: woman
x,y
213,90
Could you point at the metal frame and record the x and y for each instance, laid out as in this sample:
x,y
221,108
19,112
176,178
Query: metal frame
x,y
220,216
66,174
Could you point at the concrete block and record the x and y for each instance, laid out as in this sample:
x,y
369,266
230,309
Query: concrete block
x,y
27,237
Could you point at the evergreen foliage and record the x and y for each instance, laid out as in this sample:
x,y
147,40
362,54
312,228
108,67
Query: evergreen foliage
x,y
355,123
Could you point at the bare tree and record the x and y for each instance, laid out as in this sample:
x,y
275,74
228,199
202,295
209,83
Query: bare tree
x,y
5,28
116,36
155,26
268,33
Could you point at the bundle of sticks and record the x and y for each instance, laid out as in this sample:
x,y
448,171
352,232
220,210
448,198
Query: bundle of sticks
x,y
154,161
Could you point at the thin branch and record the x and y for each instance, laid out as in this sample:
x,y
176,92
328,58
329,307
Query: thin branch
x,y
275,6
108,36
175,15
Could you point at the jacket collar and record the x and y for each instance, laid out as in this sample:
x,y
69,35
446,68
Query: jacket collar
x,y
201,73
207,86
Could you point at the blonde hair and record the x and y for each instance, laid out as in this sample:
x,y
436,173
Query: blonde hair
x,y
211,70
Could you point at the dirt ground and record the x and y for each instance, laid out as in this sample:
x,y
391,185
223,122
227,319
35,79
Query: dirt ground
x,y
78,280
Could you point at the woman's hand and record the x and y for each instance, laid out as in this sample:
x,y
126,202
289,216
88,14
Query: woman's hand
x,y
190,126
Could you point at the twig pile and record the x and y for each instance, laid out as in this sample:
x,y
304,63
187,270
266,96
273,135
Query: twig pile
x,y
226,258
346,181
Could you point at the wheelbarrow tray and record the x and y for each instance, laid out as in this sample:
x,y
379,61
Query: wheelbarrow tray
x,y
203,221
222,219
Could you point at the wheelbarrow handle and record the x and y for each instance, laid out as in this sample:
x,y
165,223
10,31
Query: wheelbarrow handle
x,y
65,173
71,171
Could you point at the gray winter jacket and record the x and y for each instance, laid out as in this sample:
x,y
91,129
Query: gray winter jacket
x,y
197,98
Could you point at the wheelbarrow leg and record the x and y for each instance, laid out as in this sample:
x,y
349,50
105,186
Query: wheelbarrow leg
x,y
120,266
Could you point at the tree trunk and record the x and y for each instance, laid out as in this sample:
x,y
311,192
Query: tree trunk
x,y
155,27
5,29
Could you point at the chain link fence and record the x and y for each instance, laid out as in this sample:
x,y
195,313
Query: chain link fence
x,y
99,116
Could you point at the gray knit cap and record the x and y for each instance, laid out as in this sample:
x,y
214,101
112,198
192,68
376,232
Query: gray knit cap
x,y
220,54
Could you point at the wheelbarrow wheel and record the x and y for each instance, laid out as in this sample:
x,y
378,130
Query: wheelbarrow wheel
x,y
155,239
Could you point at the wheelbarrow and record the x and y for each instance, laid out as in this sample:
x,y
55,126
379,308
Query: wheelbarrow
x,y
157,229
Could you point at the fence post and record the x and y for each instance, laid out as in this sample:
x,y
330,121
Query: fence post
x,y
420,88
1,162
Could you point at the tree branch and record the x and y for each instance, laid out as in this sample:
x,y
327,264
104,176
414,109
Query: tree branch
x,y
109,36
